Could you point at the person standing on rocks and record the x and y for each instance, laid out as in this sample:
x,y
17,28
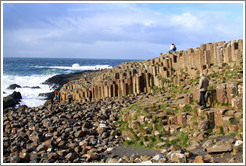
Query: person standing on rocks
x,y
172,48
56,95
90,95
203,85
59,97
69,96
51,100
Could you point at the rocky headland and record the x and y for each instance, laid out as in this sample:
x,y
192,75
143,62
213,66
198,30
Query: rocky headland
x,y
141,112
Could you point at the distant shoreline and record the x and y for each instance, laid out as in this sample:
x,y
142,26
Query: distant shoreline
x,y
78,58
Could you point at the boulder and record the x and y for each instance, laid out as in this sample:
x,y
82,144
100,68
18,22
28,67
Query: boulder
x,y
9,102
220,147
16,95
177,157
198,159
35,87
159,157
13,86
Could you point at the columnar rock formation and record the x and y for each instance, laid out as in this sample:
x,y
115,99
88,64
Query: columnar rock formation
x,y
164,71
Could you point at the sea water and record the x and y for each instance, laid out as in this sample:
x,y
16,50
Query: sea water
x,y
31,72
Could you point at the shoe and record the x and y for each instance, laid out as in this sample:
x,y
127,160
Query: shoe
x,y
203,108
199,104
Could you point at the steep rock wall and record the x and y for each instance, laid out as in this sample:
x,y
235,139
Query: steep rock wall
x,y
164,71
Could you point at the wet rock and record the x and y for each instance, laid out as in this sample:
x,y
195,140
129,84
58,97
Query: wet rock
x,y
13,86
16,95
35,87
9,102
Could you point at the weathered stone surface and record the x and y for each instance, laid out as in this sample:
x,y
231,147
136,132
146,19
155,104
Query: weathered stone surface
x,y
221,93
231,91
220,147
218,116
177,157
198,159
181,118
237,102
203,125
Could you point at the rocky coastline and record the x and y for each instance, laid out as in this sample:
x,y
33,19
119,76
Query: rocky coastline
x,y
138,114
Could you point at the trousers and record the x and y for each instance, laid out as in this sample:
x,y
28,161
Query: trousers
x,y
202,98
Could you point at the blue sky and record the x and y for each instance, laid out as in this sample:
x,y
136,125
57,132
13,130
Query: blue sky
x,y
115,30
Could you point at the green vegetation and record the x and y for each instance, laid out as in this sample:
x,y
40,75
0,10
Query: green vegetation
x,y
148,123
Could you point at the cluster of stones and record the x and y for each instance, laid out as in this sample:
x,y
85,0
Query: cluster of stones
x,y
61,133
164,71
217,120
230,92
175,154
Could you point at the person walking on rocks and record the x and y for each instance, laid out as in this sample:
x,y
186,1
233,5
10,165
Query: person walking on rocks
x,y
172,48
69,96
203,85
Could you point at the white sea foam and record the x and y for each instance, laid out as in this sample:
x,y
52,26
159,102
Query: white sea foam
x,y
76,66
30,96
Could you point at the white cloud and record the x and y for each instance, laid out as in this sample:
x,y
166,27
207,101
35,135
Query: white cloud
x,y
118,30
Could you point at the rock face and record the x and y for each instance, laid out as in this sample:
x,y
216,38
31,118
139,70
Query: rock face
x,y
59,80
164,71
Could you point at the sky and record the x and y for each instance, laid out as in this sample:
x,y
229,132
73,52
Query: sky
x,y
115,30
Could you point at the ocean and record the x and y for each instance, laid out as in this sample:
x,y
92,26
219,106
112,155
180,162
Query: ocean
x,y
31,72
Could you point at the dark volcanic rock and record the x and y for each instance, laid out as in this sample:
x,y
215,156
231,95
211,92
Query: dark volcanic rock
x,y
59,80
16,95
12,100
47,95
13,86
9,102
32,87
